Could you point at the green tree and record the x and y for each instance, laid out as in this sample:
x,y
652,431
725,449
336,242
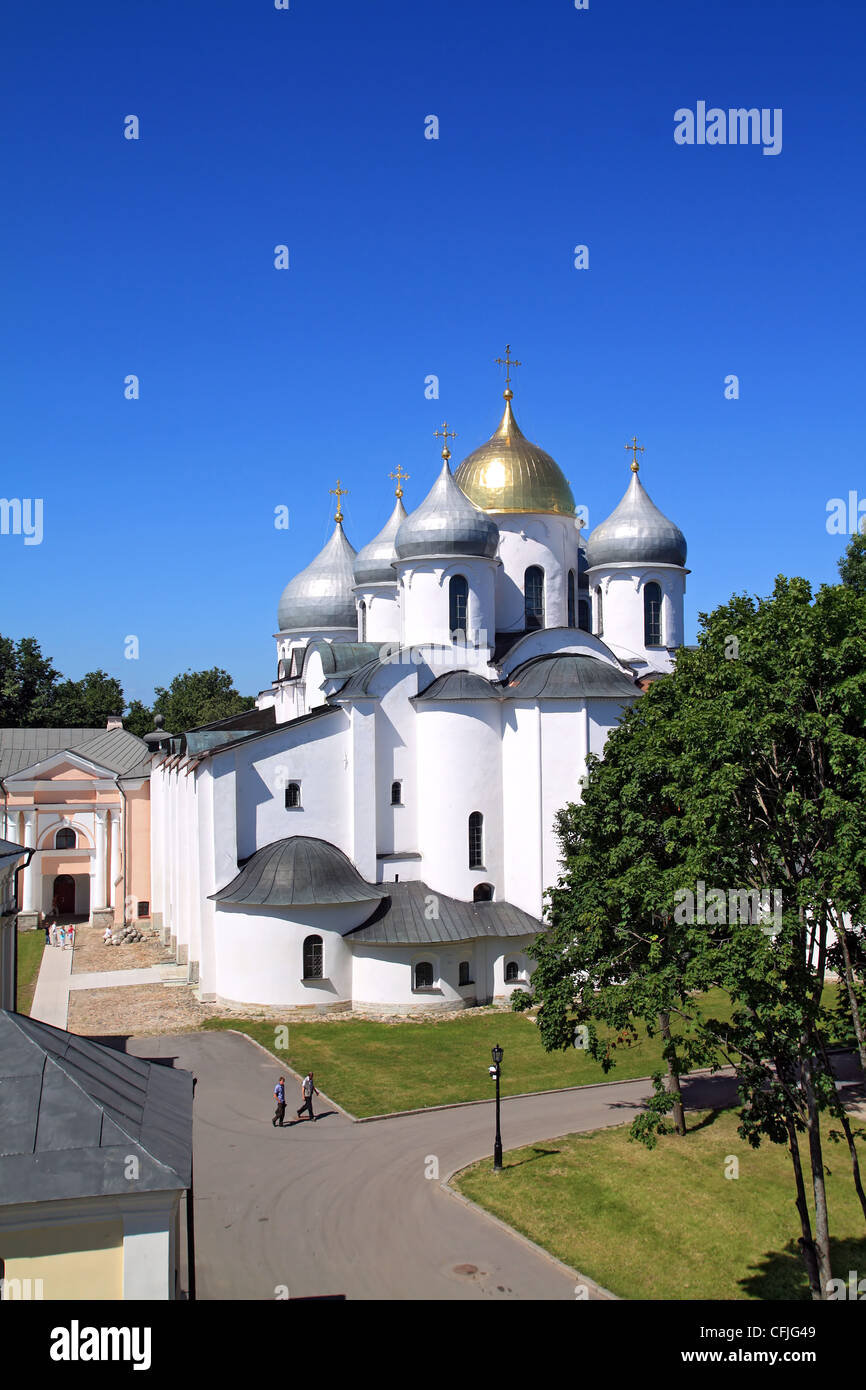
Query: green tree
x,y
138,718
27,682
84,704
745,769
199,697
852,566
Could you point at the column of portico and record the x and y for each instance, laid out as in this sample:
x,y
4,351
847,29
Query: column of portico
x,y
10,826
115,888
97,882
32,876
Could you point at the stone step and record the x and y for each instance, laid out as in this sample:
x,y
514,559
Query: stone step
x,y
174,974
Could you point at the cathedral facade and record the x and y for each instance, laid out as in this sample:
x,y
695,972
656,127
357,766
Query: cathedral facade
x,y
379,832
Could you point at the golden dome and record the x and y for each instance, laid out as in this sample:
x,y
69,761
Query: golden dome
x,y
508,474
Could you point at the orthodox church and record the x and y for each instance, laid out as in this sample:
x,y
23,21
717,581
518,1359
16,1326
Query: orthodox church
x,y
378,832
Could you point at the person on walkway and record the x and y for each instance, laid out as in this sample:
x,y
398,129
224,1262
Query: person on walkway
x,y
70,936
52,934
280,1098
308,1090
62,935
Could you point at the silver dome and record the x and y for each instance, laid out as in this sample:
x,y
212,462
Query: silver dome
x,y
320,597
447,523
636,533
374,561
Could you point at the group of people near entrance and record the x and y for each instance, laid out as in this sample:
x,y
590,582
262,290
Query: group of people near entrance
x,y
64,937
308,1090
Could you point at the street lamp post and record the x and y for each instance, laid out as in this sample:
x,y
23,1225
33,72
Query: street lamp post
x,y
497,1143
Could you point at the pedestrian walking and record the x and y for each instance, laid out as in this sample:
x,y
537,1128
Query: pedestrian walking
x,y
70,937
62,934
308,1090
280,1098
52,935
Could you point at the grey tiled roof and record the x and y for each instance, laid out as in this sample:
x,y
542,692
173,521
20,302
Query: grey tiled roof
x,y
459,685
72,1111
403,918
9,849
118,750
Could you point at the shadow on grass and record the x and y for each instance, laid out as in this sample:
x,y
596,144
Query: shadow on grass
x,y
781,1274
536,1153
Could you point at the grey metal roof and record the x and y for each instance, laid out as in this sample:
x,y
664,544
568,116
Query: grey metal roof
x,y
567,676
73,1110
636,532
459,685
403,919
118,750
9,850
359,681
320,597
447,523
374,563
341,658
300,871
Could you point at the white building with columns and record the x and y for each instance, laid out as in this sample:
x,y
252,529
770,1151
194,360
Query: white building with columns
x,y
379,832
80,799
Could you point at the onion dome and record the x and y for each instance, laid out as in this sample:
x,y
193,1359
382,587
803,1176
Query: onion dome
x,y
320,597
636,533
374,561
508,474
446,523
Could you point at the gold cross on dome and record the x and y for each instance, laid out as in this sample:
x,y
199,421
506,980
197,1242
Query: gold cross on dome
x,y
636,449
339,493
508,362
445,434
401,479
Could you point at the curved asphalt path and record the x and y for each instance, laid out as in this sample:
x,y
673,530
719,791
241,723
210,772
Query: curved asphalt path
x,y
338,1207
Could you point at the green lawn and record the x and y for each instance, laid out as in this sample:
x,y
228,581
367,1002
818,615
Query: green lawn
x,y
374,1068
667,1223
31,944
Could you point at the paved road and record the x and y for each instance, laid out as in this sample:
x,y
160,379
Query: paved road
x,y
342,1208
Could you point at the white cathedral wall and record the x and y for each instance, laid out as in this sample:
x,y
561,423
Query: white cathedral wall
x,y
397,826
259,954
383,976
622,588
425,605
522,808
382,609
316,754
549,541
459,771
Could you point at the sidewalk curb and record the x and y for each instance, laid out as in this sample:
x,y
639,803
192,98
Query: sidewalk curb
x,y
284,1065
603,1294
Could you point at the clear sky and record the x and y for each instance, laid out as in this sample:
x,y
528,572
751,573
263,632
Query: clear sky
x,y
410,257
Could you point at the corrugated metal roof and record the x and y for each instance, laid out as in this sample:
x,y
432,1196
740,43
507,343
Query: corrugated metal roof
x,y
72,1110
459,685
567,676
404,919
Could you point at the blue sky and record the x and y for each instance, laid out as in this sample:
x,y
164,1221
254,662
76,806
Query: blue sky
x,y
410,257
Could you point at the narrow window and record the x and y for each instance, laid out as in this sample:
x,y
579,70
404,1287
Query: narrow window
x,y
293,796
476,840
599,613
64,839
511,972
571,598
463,978
424,975
583,615
313,958
652,615
362,621
458,607
396,793
533,597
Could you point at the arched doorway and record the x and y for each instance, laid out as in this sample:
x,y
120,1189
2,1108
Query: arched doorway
x,y
64,895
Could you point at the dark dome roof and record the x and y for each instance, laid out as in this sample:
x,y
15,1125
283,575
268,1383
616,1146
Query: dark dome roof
x,y
298,872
